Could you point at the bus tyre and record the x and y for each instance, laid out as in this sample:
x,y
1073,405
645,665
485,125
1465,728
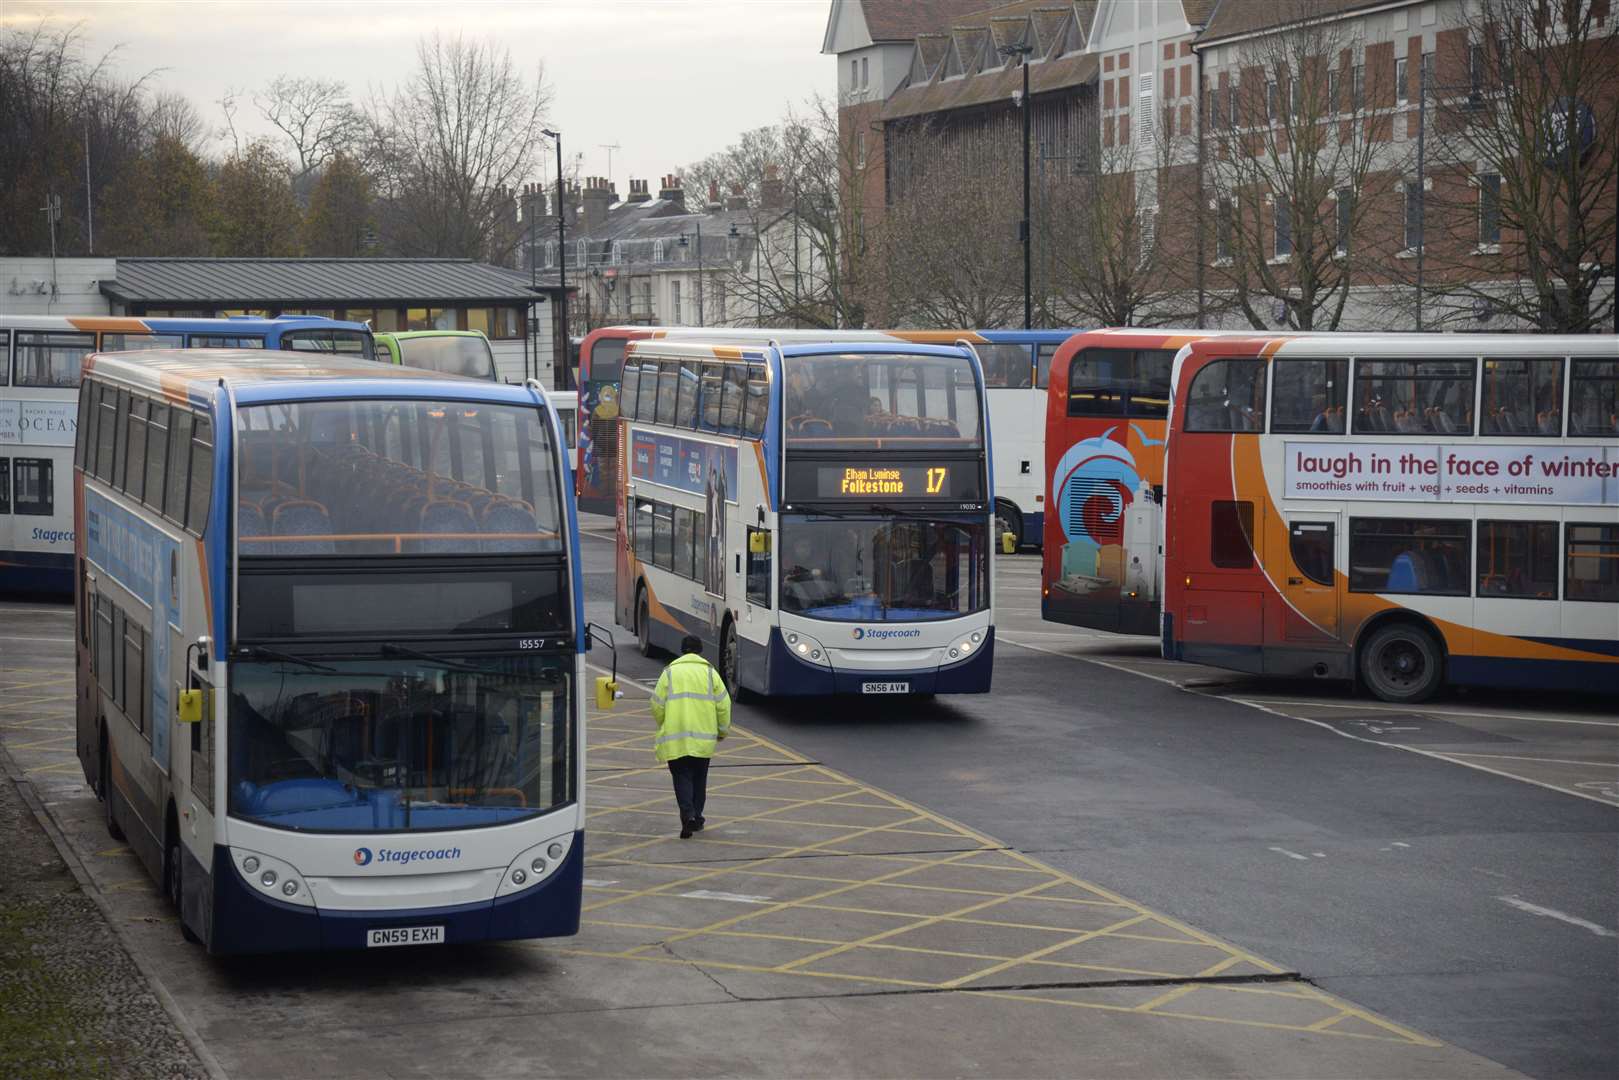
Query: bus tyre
x,y
643,622
1402,663
1008,519
174,884
730,664
104,786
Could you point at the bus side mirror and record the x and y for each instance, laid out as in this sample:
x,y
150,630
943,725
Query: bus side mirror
x,y
190,706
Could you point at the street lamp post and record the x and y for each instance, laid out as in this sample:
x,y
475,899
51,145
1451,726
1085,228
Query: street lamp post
x,y
1024,50
562,268
684,242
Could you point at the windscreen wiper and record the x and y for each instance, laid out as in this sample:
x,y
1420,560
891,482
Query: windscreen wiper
x,y
390,649
258,652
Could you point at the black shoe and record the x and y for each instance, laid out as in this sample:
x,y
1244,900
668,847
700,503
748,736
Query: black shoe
x,y
685,830
697,825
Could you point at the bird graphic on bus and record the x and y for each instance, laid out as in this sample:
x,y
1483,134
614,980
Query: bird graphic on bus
x,y
1108,516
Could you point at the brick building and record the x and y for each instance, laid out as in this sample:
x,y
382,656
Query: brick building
x,y
1300,163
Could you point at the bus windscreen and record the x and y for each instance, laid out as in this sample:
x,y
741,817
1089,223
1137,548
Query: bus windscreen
x,y
396,477
837,401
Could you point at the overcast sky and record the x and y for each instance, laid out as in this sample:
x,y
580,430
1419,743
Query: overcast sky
x,y
670,81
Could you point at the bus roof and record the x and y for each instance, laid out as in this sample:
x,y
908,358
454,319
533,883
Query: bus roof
x,y
1413,346
257,376
722,350
411,335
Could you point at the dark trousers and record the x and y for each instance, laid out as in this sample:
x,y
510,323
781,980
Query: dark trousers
x,y
691,786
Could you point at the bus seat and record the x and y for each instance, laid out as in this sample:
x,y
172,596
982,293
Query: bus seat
x,y
250,522
302,517
443,516
508,516
1403,574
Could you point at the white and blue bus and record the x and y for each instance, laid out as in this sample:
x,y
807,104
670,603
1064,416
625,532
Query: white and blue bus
x,y
820,514
39,402
330,647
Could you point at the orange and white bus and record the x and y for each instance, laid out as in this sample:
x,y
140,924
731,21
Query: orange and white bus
x,y
1405,511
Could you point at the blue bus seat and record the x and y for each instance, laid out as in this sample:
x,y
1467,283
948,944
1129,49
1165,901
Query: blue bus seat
x,y
508,516
302,517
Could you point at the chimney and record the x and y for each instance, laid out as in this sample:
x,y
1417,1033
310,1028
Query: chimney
x,y
533,201
596,199
772,192
737,200
672,193
639,192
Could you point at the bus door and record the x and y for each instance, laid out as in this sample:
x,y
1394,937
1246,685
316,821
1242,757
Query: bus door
x,y
1309,585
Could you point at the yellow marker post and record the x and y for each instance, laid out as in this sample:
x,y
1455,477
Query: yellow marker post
x,y
190,706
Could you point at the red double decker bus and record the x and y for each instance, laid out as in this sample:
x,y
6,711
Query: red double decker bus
x,y
1106,406
1405,510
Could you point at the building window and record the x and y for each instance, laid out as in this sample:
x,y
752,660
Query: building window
x,y
860,149
1333,104
1426,75
674,300
1358,91
1232,117
1489,209
1475,74
35,487
1283,218
1272,107
1295,97
1402,91
1346,218
865,72
5,485
1413,215
1399,555
1222,232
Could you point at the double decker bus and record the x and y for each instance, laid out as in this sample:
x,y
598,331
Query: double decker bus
x,y
1406,511
1014,363
1106,403
330,647
819,514
39,393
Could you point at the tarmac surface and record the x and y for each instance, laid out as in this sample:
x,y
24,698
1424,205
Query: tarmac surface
x,y
935,891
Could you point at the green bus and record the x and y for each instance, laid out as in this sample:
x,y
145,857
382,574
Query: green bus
x,y
453,352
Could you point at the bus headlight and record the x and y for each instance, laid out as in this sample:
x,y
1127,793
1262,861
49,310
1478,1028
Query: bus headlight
x,y
805,647
534,865
977,636
279,879
792,639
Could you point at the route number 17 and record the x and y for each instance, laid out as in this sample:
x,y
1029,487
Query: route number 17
x,y
936,480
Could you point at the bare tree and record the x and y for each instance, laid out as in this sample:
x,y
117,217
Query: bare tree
x,y
314,115
174,116
1119,237
1523,164
1298,145
794,265
455,144
948,253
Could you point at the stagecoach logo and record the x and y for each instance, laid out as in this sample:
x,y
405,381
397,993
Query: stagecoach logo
x,y
362,856
861,633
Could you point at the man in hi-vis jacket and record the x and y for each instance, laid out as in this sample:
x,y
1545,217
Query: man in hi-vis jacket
x,y
693,712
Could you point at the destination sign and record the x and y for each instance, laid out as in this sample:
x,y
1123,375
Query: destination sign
x,y
896,481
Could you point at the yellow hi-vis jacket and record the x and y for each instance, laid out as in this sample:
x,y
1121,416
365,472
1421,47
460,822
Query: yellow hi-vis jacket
x,y
691,707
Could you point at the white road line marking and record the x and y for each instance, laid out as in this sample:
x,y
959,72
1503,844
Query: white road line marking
x,y
595,883
1548,760
1400,843
1362,706
1289,854
735,898
65,640
1560,916
1319,854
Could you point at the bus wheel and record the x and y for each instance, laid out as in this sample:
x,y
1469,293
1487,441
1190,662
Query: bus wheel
x,y
1401,663
643,622
730,663
175,880
105,785
1008,519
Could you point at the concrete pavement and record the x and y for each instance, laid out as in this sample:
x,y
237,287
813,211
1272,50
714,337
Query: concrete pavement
x,y
820,925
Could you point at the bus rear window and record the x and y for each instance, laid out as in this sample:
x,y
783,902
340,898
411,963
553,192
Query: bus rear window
x,y
468,356
606,360
396,477
1120,382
